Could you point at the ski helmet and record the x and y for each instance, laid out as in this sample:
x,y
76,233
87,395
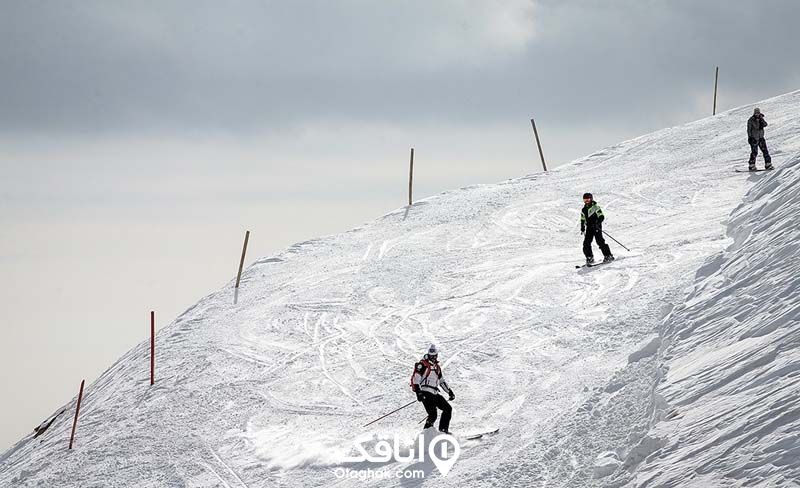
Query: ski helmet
x,y
433,351
756,111
588,195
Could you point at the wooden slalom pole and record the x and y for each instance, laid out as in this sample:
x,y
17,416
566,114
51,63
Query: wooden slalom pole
x,y
538,144
241,261
716,79
411,177
77,411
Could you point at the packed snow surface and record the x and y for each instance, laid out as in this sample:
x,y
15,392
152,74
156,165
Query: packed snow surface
x,y
674,366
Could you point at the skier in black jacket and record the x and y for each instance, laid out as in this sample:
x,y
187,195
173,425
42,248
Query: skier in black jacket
x,y
755,137
592,228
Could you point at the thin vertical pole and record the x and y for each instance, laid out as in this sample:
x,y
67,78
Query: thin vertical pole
x,y
152,348
77,411
411,177
241,261
538,144
716,79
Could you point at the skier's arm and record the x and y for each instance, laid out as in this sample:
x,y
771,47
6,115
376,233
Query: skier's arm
x,y
446,388
583,223
600,216
416,378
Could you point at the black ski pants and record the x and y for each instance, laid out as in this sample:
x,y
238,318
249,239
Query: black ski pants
x,y
754,146
432,402
597,235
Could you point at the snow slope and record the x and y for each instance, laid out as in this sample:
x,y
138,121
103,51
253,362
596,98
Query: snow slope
x,y
580,369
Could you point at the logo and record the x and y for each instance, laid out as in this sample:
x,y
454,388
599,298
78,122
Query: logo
x,y
444,462
443,451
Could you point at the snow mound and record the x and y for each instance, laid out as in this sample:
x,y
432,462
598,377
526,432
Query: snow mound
x,y
605,464
731,355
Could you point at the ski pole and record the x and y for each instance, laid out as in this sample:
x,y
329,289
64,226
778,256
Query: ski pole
x,y
393,411
621,244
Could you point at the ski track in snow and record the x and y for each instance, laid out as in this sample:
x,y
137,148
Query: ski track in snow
x,y
273,390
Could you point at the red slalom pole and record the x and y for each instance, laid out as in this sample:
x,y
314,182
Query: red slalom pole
x,y
152,348
77,411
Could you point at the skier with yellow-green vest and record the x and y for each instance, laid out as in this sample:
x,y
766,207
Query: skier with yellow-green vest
x,y
592,229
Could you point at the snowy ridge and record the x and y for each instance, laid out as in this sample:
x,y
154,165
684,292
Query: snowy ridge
x,y
273,390
731,391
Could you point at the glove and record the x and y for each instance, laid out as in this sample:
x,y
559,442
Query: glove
x,y
751,140
420,396
452,395
583,232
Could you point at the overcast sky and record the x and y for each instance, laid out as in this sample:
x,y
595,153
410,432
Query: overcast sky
x,y
139,139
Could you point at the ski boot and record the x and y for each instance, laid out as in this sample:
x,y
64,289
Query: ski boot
x,y
752,167
589,260
445,431
769,167
609,258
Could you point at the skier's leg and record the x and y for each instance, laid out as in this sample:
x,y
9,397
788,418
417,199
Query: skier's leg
x,y
447,412
753,153
430,406
762,143
601,243
587,244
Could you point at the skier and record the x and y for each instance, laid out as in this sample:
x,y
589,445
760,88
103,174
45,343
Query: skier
x,y
592,228
755,136
425,382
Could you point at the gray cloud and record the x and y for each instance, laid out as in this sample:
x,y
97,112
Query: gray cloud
x,y
249,66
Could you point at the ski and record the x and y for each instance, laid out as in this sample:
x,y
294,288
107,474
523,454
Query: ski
x,y
472,437
751,171
599,263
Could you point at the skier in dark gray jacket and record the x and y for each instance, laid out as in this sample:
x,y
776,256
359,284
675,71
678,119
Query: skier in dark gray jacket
x,y
755,136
